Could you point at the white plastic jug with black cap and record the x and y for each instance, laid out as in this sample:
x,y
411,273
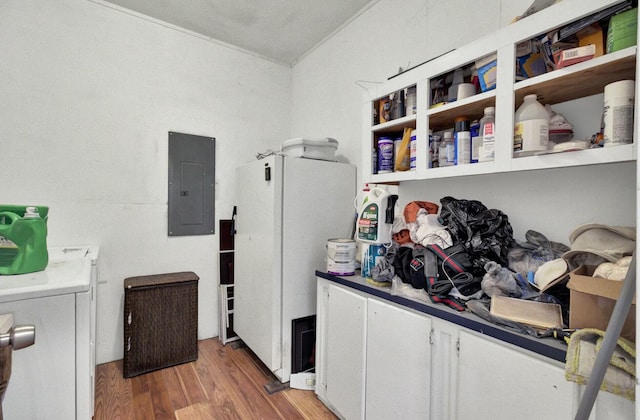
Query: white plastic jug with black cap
x,y
375,217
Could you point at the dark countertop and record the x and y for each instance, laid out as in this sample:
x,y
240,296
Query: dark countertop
x,y
549,347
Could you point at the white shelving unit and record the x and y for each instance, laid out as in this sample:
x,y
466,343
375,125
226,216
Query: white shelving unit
x,y
580,81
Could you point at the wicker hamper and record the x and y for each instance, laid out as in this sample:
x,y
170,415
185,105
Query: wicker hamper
x,y
160,321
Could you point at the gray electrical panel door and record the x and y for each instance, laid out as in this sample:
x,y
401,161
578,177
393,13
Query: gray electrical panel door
x,y
191,184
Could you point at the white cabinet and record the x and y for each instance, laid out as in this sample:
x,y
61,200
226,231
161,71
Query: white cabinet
x,y
373,358
398,363
378,359
55,377
341,352
42,383
511,382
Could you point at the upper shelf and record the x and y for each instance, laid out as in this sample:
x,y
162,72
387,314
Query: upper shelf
x,y
580,80
442,117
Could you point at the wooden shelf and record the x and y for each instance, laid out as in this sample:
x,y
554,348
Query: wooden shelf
x,y
580,80
442,117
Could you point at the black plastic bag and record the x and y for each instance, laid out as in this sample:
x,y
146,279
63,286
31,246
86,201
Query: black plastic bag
x,y
486,234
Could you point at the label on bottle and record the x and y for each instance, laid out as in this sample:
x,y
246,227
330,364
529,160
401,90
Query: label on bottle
x,y
412,153
462,148
488,137
385,156
450,153
476,142
531,136
368,223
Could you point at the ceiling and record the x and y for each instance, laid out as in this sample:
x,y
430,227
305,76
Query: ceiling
x,y
282,30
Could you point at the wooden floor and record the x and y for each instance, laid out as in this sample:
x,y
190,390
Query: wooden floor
x,y
224,383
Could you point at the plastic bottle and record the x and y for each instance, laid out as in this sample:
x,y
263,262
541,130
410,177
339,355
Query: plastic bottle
x,y
371,227
447,151
434,150
462,141
476,140
23,236
531,131
486,152
410,101
397,105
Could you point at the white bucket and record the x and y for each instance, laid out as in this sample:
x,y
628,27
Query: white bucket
x,y
341,257
618,112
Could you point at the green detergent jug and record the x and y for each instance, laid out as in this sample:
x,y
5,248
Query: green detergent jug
x,y
23,239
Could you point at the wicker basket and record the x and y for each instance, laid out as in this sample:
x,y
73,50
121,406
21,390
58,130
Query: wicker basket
x,y
160,321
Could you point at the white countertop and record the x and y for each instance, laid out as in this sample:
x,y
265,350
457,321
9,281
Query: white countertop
x,y
68,271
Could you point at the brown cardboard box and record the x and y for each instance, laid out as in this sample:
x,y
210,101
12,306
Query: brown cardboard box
x,y
592,300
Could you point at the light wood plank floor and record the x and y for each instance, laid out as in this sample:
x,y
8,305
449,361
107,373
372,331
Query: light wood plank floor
x,y
224,383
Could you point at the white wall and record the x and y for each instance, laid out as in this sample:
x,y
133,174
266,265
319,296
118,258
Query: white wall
x,y
89,94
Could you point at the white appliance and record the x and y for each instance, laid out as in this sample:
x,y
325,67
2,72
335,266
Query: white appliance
x,y
55,377
287,209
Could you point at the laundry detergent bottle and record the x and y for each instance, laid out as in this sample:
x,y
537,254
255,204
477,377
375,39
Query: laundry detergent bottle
x,y
375,217
23,239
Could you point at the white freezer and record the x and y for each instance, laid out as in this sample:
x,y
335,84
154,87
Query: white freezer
x,y
287,209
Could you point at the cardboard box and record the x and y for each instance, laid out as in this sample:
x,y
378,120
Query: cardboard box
x,y
564,58
592,35
592,299
487,71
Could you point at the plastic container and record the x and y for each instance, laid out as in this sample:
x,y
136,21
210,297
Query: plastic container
x,y
412,151
462,141
371,227
531,131
385,155
434,150
486,152
476,140
618,112
447,152
23,239
410,101
622,30
321,149
397,105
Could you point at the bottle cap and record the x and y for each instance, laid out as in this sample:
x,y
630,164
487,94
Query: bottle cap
x,y
31,213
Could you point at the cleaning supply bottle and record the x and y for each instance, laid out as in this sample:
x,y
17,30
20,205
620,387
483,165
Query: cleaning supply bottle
x,y
375,217
531,131
447,153
23,239
462,141
487,135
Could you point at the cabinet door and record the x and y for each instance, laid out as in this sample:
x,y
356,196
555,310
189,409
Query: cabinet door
x,y
496,382
345,352
398,363
43,376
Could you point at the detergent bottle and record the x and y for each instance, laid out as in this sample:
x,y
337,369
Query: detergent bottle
x,y
23,239
375,217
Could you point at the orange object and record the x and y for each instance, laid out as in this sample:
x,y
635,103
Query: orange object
x,y
411,210
402,237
